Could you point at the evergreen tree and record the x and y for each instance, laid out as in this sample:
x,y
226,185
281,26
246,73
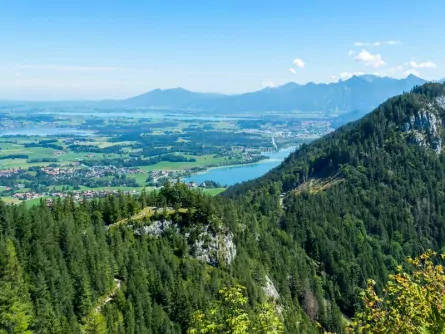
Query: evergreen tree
x,y
15,305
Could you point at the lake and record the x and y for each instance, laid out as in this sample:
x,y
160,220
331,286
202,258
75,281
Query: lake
x,y
231,175
44,131
153,114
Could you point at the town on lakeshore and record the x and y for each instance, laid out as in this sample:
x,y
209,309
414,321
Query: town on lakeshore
x,y
51,152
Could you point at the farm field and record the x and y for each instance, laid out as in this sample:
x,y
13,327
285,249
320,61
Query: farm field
x,y
54,152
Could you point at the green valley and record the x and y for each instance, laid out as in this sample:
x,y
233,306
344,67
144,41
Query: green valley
x,y
52,152
296,247
222,167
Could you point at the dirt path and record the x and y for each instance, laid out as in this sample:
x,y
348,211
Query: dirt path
x,y
110,296
146,212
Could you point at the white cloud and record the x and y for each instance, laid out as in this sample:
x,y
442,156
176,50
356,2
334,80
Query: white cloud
x,y
378,43
351,52
367,43
408,68
394,72
425,64
292,71
395,42
395,69
269,84
412,71
347,75
369,59
299,63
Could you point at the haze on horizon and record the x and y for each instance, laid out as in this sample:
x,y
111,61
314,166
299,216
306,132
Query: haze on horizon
x,y
83,50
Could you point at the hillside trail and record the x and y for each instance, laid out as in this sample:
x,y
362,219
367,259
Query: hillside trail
x,y
146,212
109,297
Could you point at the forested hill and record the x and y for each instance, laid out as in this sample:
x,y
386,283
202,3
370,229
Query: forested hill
x,y
410,118
148,264
302,240
366,196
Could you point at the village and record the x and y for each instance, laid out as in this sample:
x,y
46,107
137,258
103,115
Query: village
x,y
77,195
93,171
86,194
155,179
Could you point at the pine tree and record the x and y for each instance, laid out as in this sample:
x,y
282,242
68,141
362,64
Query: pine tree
x,y
15,305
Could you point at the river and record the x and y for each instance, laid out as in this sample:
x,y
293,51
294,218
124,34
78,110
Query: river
x,y
231,175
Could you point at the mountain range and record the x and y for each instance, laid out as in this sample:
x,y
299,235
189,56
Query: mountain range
x,y
362,93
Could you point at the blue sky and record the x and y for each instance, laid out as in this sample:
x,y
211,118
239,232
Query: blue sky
x,y
113,49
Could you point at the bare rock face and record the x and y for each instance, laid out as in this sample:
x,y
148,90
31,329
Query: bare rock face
x,y
215,248
270,290
441,102
425,127
156,228
272,294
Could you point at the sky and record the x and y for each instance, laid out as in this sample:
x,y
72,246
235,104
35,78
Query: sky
x,y
71,50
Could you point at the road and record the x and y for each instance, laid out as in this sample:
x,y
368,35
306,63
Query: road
x,y
274,144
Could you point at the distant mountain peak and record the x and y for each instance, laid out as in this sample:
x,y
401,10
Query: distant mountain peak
x,y
290,84
373,78
354,78
359,78
359,93
412,76
177,89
